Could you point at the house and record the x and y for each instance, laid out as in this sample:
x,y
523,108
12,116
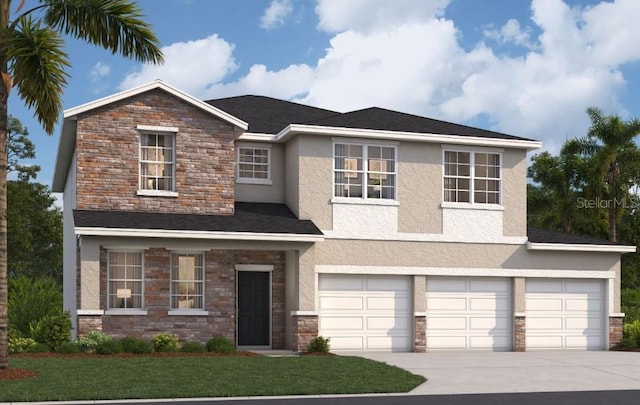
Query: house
x,y
271,222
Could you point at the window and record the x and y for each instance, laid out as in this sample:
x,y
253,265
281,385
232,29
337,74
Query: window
x,y
364,171
472,177
125,279
157,162
187,281
253,165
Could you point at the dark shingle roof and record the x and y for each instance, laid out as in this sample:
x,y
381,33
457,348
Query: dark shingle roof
x,y
248,217
537,235
269,115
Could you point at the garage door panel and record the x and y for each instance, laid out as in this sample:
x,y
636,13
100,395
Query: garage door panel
x,y
584,287
544,304
350,323
388,303
446,323
543,286
544,342
493,342
581,342
389,324
585,303
387,284
489,304
488,286
447,342
489,323
343,283
341,303
549,323
446,285
591,325
397,343
446,304
347,342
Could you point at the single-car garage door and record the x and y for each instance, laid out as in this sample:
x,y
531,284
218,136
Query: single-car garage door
x,y
565,314
468,313
361,312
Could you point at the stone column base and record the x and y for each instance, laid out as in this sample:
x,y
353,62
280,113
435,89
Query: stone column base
x,y
420,333
87,323
520,335
305,328
615,331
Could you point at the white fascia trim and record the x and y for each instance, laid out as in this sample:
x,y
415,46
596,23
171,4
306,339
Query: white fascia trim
x,y
254,267
157,84
157,128
304,313
419,314
405,136
256,137
464,271
519,314
164,233
581,247
425,237
89,312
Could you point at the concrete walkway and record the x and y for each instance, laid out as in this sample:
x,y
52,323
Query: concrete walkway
x,y
484,372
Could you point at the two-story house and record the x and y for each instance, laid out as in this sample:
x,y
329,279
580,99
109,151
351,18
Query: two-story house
x,y
271,222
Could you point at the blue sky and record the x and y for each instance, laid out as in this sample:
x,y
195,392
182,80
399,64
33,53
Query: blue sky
x,y
528,68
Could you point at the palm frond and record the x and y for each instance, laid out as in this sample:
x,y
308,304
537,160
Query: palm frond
x,y
115,25
37,64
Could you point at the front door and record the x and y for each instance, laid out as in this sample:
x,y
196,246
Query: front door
x,y
254,308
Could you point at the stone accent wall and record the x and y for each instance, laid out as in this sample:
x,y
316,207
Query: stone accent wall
x,y
220,297
305,328
420,333
87,323
520,331
108,149
615,331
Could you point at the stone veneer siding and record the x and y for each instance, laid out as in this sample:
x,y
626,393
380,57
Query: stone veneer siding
x,y
615,331
108,151
305,328
419,333
220,298
520,334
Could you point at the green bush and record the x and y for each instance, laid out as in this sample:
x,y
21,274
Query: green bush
x,y
89,343
134,345
165,342
38,348
109,347
192,347
68,348
19,344
220,344
631,334
319,344
52,330
30,300
630,304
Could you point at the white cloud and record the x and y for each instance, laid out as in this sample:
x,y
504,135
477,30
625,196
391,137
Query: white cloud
x,y
510,32
276,14
96,77
190,66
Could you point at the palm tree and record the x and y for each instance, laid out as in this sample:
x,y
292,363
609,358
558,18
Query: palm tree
x,y
33,60
616,163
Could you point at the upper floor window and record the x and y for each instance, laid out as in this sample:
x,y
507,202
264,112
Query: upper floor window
x,y
187,281
364,171
253,164
472,177
125,279
157,162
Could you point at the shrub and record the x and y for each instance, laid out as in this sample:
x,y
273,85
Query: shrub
x,y
319,344
30,300
89,343
52,330
220,344
165,342
192,347
630,304
109,347
19,344
631,334
68,348
38,348
134,345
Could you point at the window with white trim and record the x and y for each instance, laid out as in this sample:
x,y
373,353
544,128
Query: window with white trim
x,y
364,171
125,273
253,164
157,161
187,281
472,177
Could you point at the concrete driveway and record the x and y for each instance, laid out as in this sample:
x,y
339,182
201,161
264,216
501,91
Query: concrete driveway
x,y
486,372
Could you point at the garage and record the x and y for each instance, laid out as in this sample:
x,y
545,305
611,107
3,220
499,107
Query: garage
x,y
364,312
565,314
470,313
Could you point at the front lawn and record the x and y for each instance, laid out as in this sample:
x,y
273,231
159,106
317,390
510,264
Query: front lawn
x,y
78,378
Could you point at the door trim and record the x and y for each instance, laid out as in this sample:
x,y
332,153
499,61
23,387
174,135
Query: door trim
x,y
268,268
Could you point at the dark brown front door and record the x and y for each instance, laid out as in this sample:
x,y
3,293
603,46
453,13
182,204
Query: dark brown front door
x,y
253,308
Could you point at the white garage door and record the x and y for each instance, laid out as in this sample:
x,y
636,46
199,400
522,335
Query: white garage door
x,y
468,313
565,314
365,312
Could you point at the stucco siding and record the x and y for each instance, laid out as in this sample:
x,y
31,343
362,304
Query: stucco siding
x,y
316,180
268,193
292,180
514,193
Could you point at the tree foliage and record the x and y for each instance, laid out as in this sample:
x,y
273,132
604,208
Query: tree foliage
x,y
20,147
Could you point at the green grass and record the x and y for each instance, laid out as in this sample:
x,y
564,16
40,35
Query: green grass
x,y
65,379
